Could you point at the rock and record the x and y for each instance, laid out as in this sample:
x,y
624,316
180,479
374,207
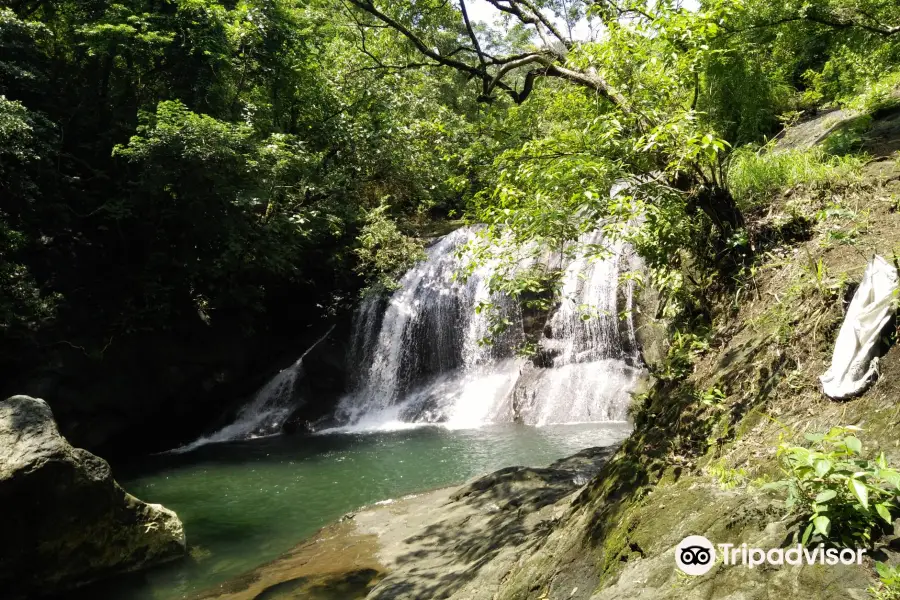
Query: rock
x,y
651,329
813,131
66,520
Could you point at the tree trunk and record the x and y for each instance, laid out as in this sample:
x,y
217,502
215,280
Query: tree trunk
x,y
718,204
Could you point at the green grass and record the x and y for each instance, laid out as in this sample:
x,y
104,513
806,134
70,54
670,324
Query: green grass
x,y
754,177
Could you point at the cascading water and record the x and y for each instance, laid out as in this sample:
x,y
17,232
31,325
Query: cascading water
x,y
268,410
588,352
421,359
417,358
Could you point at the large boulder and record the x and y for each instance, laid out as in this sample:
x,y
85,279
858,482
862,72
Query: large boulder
x,y
66,521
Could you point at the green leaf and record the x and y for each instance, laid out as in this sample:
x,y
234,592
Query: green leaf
x,y
884,512
853,444
825,496
822,524
807,534
803,471
891,476
822,467
858,489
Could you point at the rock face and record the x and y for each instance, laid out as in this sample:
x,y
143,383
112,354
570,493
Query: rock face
x,y
650,330
66,520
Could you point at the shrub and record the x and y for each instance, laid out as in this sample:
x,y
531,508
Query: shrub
x,y
880,95
842,496
888,587
384,252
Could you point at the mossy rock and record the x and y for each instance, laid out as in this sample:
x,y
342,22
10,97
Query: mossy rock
x,y
736,517
67,522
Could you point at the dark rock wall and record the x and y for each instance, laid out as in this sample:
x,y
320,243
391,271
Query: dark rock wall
x,y
153,392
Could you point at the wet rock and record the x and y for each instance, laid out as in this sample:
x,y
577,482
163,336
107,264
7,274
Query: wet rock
x,y
66,520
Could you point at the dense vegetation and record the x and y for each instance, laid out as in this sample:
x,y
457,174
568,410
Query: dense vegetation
x,y
165,161
173,164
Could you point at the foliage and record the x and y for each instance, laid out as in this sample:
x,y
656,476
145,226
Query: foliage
x,y
665,95
843,497
198,163
384,252
726,477
684,350
878,95
888,587
754,174
22,305
829,50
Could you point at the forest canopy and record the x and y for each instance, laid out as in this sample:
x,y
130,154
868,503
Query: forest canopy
x,y
169,161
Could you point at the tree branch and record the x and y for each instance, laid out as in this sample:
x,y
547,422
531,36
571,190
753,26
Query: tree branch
x,y
510,7
485,86
874,26
551,65
370,8
515,64
593,81
551,27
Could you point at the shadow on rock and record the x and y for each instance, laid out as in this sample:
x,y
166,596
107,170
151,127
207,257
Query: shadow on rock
x,y
487,525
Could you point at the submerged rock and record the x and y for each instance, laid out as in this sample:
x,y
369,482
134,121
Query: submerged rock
x,y
66,520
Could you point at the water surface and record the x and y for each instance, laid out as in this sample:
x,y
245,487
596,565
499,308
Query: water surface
x,y
244,503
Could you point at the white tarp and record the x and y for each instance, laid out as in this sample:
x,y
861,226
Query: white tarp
x,y
853,364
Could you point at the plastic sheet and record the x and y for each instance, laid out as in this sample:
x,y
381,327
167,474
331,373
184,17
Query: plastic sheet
x,y
854,364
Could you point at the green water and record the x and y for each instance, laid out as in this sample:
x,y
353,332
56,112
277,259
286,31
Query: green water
x,y
245,503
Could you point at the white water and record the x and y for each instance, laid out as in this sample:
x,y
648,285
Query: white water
x,y
421,361
591,348
416,357
267,412
418,360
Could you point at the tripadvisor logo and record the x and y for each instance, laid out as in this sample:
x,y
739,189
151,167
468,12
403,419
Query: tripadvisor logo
x,y
696,555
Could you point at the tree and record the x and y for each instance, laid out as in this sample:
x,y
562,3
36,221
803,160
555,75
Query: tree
x,y
196,164
645,72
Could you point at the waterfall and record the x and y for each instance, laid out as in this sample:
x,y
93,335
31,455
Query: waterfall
x,y
588,352
421,359
267,412
416,356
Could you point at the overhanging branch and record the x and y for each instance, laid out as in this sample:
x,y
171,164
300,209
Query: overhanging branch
x,y
490,70
866,22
